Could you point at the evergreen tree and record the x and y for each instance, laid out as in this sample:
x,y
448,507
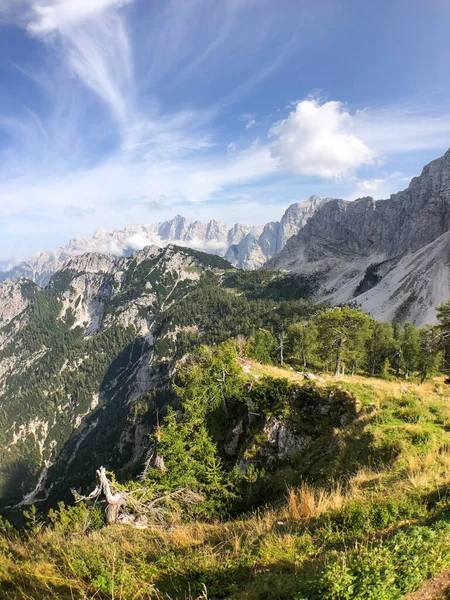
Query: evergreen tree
x,y
397,359
410,348
430,355
443,316
302,341
380,347
342,334
263,346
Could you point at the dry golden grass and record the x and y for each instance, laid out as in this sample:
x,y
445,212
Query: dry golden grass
x,y
306,502
432,389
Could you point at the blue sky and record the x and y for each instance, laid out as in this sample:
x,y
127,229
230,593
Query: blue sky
x,y
131,111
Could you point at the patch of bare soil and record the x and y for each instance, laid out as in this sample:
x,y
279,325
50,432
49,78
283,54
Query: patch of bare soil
x,y
433,589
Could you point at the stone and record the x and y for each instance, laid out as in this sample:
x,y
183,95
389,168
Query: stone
x,y
309,376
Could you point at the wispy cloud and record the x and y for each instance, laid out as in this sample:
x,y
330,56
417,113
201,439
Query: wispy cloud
x,y
120,129
403,128
46,16
99,53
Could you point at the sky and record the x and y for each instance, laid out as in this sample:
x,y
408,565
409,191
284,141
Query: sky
x,y
115,112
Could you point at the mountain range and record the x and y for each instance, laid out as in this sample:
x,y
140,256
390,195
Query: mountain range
x,y
391,257
85,361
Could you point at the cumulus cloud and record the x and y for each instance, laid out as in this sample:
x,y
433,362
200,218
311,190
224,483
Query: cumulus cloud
x,y
139,241
317,139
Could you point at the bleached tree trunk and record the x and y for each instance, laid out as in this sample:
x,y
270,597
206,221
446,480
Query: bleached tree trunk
x,y
281,339
115,501
138,511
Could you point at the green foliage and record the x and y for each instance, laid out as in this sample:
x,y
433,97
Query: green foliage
x,y
77,518
381,347
303,342
270,396
385,369
409,344
430,355
262,347
342,334
389,569
192,462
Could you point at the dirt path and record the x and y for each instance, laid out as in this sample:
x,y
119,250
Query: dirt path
x,y
433,589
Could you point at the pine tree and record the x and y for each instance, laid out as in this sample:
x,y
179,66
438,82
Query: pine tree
x,y
430,354
410,348
342,334
302,341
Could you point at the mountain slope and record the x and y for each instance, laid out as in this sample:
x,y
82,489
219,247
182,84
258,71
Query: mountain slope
x,y
85,363
389,256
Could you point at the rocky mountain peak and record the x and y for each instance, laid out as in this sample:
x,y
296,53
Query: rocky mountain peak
x,y
390,255
259,246
214,237
14,298
91,262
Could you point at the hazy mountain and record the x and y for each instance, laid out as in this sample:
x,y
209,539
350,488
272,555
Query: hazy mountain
x,y
244,246
213,237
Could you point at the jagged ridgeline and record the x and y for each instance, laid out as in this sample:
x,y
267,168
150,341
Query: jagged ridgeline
x,y
85,363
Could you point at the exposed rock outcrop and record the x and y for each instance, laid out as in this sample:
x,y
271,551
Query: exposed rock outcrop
x,y
256,248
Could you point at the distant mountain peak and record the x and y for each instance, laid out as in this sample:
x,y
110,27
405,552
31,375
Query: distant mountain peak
x,y
214,237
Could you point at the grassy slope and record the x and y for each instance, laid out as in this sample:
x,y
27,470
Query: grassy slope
x,y
375,534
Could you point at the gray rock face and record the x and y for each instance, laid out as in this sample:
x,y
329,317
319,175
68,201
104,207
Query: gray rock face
x,y
14,298
390,256
254,250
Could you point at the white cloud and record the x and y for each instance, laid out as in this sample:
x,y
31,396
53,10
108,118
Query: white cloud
x,y
249,120
45,16
99,54
403,128
316,139
139,241
76,212
90,39
380,187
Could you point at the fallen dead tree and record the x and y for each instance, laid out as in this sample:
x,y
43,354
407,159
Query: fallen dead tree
x,y
134,507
